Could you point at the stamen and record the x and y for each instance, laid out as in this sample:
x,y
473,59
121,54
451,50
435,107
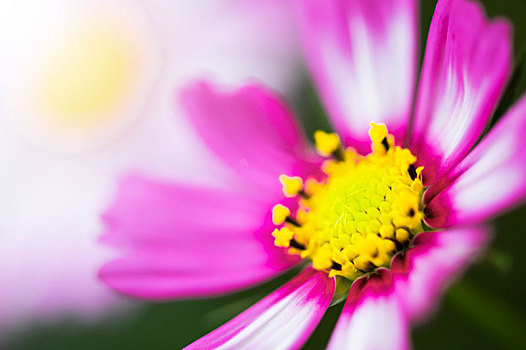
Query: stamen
x,y
412,172
297,245
385,143
279,214
292,186
283,237
402,235
336,266
338,155
292,221
328,144
364,211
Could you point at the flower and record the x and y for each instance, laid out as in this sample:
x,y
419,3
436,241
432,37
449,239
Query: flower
x,y
398,223
85,85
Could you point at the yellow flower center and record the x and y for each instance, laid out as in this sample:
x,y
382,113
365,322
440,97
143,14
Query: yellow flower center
x,y
365,210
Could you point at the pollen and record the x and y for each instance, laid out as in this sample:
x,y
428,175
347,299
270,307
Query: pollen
x,y
365,209
326,143
291,185
280,213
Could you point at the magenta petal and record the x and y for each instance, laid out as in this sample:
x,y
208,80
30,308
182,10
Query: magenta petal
x,y
250,129
466,66
282,320
179,241
490,179
362,55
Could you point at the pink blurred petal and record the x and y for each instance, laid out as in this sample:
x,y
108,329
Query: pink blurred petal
x,y
180,241
250,129
362,55
283,320
492,178
466,66
379,309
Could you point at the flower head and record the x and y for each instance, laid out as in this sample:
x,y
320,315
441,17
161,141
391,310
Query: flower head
x,y
398,221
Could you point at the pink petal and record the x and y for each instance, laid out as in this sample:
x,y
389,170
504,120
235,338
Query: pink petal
x,y
181,241
362,55
283,320
250,129
379,309
371,322
491,179
466,66
436,259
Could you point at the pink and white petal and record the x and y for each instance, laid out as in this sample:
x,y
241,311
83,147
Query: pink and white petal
x,y
362,55
250,129
178,241
492,178
432,264
379,309
371,322
282,320
466,66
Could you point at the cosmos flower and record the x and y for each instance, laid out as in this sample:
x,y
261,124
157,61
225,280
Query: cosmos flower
x,y
396,223
86,93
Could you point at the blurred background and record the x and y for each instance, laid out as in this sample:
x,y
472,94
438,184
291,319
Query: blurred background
x,y
87,92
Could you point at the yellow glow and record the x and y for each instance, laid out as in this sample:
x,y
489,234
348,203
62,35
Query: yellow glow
x,y
87,76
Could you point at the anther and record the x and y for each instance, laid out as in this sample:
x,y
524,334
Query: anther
x,y
328,144
280,213
398,245
336,266
338,155
291,185
283,237
292,221
295,244
303,194
385,143
402,235
412,172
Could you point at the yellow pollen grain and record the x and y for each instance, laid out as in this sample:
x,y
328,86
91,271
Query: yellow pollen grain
x,y
361,214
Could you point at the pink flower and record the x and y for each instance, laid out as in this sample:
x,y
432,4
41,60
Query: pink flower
x,y
357,218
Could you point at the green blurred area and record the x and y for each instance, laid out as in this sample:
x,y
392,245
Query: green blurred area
x,y
484,310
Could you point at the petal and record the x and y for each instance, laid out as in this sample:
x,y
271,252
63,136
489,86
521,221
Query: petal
x,y
181,241
466,66
371,322
250,129
283,320
433,263
491,179
379,309
362,55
